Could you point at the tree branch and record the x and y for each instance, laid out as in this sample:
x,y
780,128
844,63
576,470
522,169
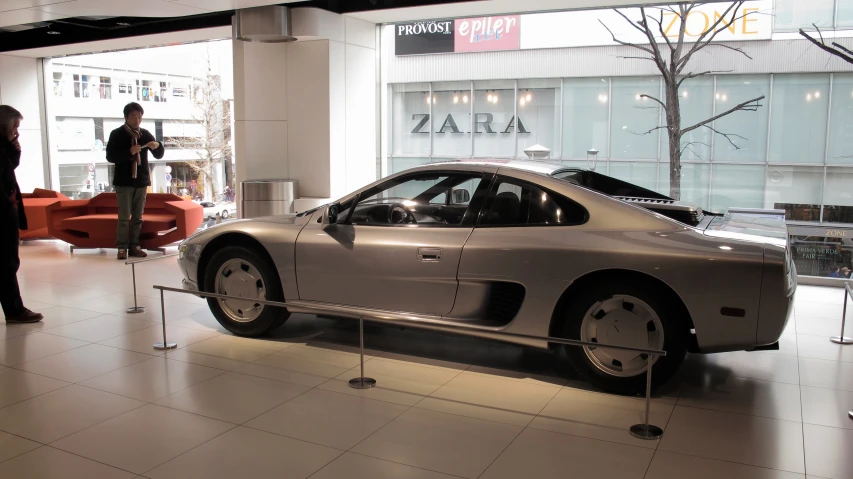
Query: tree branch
x,y
844,54
694,75
662,127
727,136
655,99
620,42
746,106
842,48
714,30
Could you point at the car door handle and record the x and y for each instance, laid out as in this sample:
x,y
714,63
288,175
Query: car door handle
x,y
429,254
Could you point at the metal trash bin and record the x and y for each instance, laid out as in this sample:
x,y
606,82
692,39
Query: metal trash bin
x,y
267,197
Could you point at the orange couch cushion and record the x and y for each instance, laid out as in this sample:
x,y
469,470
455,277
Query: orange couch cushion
x,y
152,222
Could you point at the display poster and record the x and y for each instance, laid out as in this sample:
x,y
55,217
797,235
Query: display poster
x,y
753,21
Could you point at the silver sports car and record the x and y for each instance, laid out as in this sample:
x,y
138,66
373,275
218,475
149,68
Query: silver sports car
x,y
532,248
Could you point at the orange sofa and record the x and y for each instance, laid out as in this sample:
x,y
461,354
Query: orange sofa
x,y
35,207
92,223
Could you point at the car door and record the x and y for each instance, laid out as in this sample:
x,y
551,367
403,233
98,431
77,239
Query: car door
x,y
395,247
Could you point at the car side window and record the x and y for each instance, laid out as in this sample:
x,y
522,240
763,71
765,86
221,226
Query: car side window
x,y
423,199
519,203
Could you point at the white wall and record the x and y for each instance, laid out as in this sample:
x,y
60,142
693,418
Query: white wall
x,y
19,80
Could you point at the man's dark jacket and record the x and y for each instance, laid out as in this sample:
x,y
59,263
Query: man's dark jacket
x,y
118,153
10,158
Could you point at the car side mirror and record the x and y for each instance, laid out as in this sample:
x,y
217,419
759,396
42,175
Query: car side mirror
x,y
330,214
460,196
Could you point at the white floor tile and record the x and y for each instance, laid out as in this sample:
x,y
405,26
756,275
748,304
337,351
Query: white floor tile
x,y
823,327
152,379
440,442
142,340
827,407
159,435
34,346
57,414
745,396
99,329
47,463
743,364
828,451
315,361
13,446
669,465
238,349
243,452
83,363
548,455
356,466
600,416
826,374
818,347
232,397
217,362
279,374
331,419
735,438
17,386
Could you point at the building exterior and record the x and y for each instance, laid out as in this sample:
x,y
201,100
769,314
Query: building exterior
x,y
558,80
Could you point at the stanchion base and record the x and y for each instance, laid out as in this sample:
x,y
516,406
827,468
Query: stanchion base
x,y
646,431
136,310
841,340
161,346
362,383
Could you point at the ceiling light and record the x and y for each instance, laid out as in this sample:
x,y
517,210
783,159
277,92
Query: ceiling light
x,y
464,98
522,102
455,98
602,98
817,94
809,97
529,96
684,93
489,97
717,96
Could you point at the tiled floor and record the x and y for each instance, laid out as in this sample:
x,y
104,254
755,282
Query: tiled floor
x,y
84,395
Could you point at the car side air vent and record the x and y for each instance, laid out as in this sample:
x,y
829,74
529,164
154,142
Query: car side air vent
x,y
683,212
504,302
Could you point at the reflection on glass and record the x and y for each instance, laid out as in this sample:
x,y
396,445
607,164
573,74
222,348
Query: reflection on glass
x,y
838,195
795,185
696,101
538,109
451,119
791,15
411,110
750,144
635,117
494,120
643,174
841,119
737,185
798,125
694,182
822,256
586,105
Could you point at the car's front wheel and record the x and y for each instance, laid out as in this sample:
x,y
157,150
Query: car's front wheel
x,y
242,272
624,314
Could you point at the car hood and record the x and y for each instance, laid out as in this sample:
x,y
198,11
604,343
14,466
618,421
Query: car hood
x,y
750,228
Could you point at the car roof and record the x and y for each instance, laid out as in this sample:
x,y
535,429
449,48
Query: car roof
x,y
541,167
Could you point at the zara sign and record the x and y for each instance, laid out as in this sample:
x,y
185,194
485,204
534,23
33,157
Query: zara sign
x,y
482,124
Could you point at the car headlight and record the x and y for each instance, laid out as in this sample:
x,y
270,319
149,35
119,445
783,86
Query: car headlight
x,y
182,251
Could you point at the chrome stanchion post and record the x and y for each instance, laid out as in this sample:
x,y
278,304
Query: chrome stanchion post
x,y
164,344
136,308
646,430
840,339
361,382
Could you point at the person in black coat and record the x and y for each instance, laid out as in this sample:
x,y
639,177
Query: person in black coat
x,y
128,149
12,218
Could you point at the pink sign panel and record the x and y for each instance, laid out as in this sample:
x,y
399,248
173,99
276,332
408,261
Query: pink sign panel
x,y
487,34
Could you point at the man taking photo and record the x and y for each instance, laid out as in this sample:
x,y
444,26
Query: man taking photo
x,y
128,149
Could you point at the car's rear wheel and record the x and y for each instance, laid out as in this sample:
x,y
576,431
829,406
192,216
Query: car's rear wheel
x,y
624,314
242,272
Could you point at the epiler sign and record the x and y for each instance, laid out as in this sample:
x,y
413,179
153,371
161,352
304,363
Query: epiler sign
x,y
487,34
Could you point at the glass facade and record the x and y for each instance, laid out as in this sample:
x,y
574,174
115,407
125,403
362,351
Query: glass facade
x,y
794,153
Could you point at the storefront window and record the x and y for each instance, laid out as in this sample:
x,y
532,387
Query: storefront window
x,y
844,16
494,119
640,173
838,195
696,101
750,144
791,15
412,125
586,108
399,164
821,256
694,182
841,120
539,110
796,189
798,125
737,185
634,117
452,119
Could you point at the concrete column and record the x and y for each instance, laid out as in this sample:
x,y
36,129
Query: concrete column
x,y
20,85
306,110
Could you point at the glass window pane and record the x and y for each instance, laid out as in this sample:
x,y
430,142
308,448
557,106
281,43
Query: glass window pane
x,y
750,126
841,120
798,126
822,256
794,14
634,116
586,106
844,17
696,101
410,110
494,119
539,112
640,173
518,203
737,185
838,195
796,189
399,164
695,179
452,119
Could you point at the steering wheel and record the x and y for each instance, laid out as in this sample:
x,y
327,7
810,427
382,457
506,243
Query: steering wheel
x,y
398,215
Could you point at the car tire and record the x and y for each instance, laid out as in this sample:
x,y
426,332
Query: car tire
x,y
600,311
253,273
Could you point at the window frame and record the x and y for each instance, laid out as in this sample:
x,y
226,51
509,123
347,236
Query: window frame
x,y
469,220
493,188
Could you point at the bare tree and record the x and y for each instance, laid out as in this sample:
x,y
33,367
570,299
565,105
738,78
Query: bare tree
x,y
835,48
671,56
214,117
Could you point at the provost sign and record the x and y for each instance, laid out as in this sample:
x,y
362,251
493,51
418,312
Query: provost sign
x,y
461,35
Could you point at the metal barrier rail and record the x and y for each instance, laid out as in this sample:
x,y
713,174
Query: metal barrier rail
x,y
840,339
136,307
641,431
